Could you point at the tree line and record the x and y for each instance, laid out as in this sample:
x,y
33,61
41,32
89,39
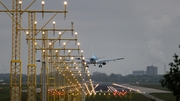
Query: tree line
x,y
118,78
102,77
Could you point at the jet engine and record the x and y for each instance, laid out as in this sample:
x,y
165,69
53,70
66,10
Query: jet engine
x,y
104,63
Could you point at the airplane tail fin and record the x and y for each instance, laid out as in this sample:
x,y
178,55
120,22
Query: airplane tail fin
x,y
92,54
92,51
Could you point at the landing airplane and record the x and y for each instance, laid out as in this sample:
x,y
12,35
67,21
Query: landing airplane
x,y
94,60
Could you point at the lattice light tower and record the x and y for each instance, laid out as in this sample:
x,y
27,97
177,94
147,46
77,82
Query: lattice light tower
x,y
31,48
58,67
73,79
63,73
16,65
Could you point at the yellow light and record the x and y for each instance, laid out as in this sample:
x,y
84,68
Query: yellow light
x,y
59,33
56,51
43,50
35,43
20,2
50,43
43,32
60,57
69,51
27,32
64,43
65,2
81,51
42,2
35,22
54,22
78,43
75,33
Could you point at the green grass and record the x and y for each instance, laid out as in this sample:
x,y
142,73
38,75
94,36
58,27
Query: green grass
x,y
134,97
5,96
164,96
5,93
155,86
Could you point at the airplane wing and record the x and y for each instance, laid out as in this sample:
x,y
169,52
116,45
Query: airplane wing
x,y
88,62
105,61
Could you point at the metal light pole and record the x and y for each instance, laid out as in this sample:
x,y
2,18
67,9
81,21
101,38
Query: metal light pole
x,y
43,81
43,90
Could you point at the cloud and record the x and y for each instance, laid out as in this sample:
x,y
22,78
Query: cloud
x,y
156,54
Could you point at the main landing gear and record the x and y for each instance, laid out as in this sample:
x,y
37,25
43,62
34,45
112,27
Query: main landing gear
x,y
100,66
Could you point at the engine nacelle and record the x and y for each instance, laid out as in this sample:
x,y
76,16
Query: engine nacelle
x,y
104,63
87,66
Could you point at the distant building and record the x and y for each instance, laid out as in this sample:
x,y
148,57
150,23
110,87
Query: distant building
x,y
152,70
138,72
145,72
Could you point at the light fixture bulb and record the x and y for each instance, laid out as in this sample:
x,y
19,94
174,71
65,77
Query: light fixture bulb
x,y
42,2
54,22
35,22
65,2
20,2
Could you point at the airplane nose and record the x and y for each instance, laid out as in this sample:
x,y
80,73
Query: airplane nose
x,y
92,59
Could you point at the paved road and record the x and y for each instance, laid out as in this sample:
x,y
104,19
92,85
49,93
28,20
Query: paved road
x,y
147,91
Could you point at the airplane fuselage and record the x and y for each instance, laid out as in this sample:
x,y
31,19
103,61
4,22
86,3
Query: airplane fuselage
x,y
93,59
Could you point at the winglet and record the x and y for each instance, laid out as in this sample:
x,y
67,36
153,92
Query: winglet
x,y
120,58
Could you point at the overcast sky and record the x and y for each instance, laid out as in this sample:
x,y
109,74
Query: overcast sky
x,y
145,32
